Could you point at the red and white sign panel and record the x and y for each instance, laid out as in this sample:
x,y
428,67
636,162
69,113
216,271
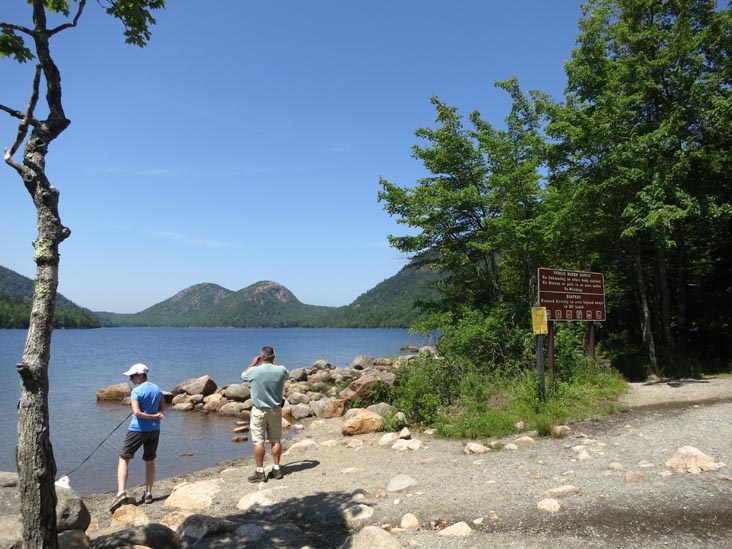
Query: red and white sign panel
x,y
572,295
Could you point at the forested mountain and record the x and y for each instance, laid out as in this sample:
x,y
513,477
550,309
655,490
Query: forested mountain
x,y
390,304
16,293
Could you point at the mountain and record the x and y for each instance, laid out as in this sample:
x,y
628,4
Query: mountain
x,y
390,304
16,294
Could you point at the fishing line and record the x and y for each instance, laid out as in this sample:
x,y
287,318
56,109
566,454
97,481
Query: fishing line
x,y
97,448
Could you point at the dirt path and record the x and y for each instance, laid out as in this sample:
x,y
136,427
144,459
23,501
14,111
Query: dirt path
x,y
626,495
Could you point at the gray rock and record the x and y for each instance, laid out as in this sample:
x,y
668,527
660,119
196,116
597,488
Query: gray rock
x,y
299,374
118,391
300,411
362,362
239,392
11,531
382,408
153,535
328,407
8,479
372,537
73,539
71,511
203,385
198,526
400,482
322,365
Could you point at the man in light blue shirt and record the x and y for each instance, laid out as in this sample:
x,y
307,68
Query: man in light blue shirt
x,y
267,382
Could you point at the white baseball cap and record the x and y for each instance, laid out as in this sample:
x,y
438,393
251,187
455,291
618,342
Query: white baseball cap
x,y
135,369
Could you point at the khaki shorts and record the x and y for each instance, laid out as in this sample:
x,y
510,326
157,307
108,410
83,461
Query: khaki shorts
x,y
266,424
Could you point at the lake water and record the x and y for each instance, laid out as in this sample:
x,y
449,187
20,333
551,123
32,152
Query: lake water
x,y
83,361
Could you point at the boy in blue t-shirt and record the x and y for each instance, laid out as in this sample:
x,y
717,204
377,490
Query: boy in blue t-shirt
x,y
147,404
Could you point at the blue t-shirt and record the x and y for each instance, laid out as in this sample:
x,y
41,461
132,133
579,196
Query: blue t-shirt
x,y
148,396
267,382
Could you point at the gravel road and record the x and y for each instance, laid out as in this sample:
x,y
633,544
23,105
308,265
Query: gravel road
x,y
626,495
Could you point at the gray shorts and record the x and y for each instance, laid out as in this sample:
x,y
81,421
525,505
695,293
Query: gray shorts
x,y
266,424
147,439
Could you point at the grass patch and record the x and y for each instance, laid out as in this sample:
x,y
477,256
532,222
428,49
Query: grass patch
x,y
475,404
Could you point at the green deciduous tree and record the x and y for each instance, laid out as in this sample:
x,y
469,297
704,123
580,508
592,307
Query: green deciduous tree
x,y
642,165
23,43
478,220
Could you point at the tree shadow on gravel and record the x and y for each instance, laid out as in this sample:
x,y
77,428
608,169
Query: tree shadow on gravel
x,y
317,521
707,522
675,382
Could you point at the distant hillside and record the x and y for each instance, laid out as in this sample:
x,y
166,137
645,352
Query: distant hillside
x,y
390,304
16,294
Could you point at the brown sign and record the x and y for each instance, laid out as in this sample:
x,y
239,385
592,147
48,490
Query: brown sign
x,y
572,295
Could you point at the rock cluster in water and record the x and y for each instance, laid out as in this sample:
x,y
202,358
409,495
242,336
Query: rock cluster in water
x,y
321,390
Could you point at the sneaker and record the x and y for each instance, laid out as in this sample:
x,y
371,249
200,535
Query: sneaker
x,y
257,477
147,498
276,474
118,501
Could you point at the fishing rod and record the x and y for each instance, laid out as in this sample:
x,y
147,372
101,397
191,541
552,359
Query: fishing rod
x,y
97,448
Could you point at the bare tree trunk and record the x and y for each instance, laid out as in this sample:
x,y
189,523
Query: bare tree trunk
x,y
34,453
665,305
646,323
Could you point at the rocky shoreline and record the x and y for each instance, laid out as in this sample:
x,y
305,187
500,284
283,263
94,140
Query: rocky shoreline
x,y
616,481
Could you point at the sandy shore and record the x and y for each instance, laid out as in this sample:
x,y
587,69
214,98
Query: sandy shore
x,y
496,493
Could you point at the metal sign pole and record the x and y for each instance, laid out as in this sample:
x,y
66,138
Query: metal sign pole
x,y
540,366
550,327
591,344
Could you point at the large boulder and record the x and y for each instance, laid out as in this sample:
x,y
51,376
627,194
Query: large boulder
x,y
328,407
362,362
154,535
296,397
692,460
238,391
120,391
194,497
234,409
361,422
203,385
71,512
214,402
299,374
197,526
319,376
362,387
300,411
382,408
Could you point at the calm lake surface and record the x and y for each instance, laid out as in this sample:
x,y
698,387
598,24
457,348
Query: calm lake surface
x,y
83,361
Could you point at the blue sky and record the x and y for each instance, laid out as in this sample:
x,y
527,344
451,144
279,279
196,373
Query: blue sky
x,y
246,141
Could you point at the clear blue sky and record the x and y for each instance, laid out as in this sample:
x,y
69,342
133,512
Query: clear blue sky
x,y
246,141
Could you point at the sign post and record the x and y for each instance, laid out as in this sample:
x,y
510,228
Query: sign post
x,y
538,318
571,296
